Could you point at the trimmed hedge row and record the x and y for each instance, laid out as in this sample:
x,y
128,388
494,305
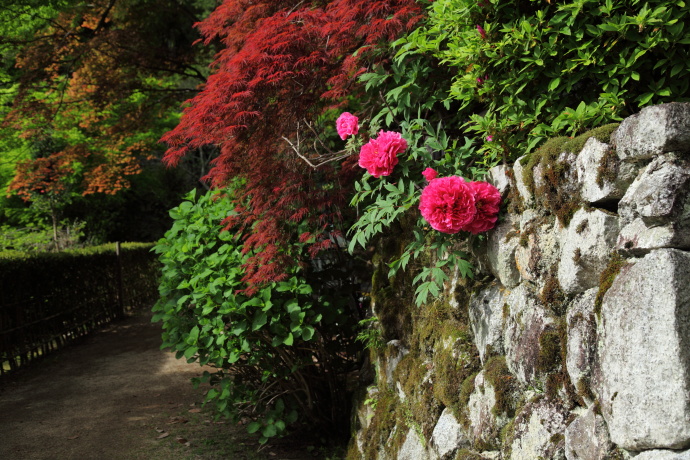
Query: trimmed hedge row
x,y
49,299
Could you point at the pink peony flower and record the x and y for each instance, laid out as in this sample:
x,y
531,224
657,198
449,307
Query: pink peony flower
x,y
447,203
379,156
346,125
487,201
429,174
482,32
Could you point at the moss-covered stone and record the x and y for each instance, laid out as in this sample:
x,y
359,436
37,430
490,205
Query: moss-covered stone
x,y
616,263
452,366
551,294
504,384
547,152
617,454
577,255
420,409
550,352
584,389
382,424
514,203
602,134
607,170
466,389
465,454
552,192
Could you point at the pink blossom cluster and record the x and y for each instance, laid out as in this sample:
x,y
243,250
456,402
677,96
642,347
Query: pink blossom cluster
x,y
378,156
451,204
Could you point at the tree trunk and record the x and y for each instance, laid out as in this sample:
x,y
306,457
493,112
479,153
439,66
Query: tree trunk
x,y
54,217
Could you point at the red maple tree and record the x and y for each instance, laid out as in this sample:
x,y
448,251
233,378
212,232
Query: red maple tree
x,y
283,66
101,77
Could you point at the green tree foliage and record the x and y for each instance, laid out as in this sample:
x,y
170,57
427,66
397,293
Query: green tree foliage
x,y
87,89
281,355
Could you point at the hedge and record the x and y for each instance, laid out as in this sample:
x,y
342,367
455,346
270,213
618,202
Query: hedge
x,y
49,299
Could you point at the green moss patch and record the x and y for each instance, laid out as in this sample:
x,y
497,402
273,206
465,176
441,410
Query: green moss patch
x,y
602,134
382,423
616,263
550,352
466,389
464,454
420,409
497,373
552,295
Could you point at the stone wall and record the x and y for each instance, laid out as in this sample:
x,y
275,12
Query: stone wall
x,y
573,340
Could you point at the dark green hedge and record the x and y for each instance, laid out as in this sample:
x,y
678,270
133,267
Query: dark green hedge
x,y
48,299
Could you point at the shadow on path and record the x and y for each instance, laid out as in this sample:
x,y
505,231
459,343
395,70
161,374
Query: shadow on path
x,y
109,397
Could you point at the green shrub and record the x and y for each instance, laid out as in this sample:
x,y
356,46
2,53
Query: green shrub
x,y
540,69
280,354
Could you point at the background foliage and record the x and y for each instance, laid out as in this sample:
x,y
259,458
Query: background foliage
x,y
537,69
86,91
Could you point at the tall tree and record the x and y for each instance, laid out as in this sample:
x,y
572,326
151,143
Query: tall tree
x,y
284,64
95,84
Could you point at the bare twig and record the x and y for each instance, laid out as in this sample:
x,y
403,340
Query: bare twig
x,y
322,160
318,138
385,102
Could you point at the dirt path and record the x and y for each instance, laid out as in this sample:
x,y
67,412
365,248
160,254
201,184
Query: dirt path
x,y
117,396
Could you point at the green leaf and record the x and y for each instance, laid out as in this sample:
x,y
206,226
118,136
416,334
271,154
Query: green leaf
x,y
269,431
239,328
253,427
189,352
307,333
292,306
193,336
554,84
260,319
292,416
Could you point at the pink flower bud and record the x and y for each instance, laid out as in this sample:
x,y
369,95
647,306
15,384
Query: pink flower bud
x,y
346,125
429,174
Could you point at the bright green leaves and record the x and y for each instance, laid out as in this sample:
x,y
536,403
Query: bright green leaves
x,y
260,344
390,201
536,66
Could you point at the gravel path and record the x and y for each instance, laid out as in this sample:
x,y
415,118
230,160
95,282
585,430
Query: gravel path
x,y
116,395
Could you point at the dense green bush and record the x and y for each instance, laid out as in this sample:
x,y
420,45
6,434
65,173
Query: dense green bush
x,y
281,354
527,70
